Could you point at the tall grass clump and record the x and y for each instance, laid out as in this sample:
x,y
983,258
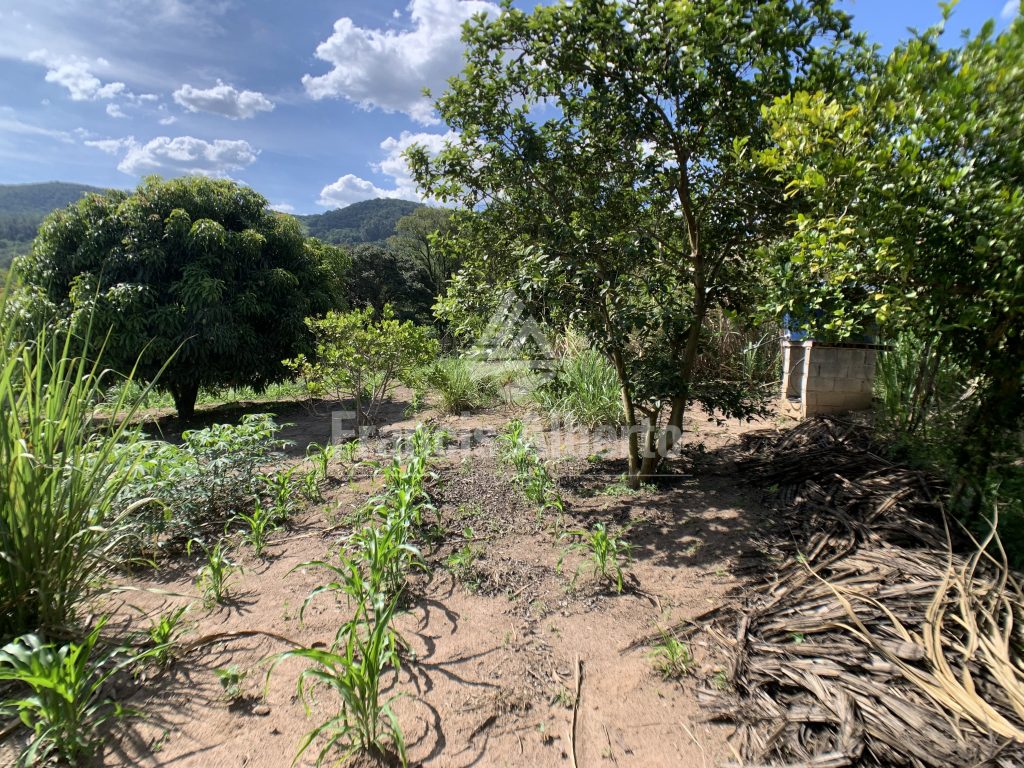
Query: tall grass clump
x,y
462,386
584,391
60,472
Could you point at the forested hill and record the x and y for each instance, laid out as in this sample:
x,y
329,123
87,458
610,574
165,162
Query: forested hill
x,y
371,221
23,206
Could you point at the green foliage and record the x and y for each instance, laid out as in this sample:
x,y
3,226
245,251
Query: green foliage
x,y
462,561
911,217
178,492
608,553
321,456
531,474
378,277
418,237
23,208
608,176
215,575
231,680
259,524
360,357
60,475
584,392
163,635
195,263
65,709
462,386
671,657
353,669
282,486
371,572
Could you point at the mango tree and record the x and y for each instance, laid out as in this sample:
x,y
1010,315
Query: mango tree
x,y
197,267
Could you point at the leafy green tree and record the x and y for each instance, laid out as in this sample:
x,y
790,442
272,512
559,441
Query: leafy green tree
x,y
196,266
604,144
360,357
913,214
416,238
380,276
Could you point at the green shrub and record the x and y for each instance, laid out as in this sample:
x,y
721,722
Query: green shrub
x,y
584,392
462,385
361,358
180,492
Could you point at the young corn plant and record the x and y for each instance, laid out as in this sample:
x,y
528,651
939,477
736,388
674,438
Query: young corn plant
x,y
259,524
608,554
65,708
163,635
530,473
214,576
354,669
281,487
311,487
671,657
321,457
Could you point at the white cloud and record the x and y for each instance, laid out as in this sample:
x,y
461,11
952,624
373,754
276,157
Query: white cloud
x,y
180,155
76,74
1010,9
223,99
115,111
112,146
282,207
352,189
388,69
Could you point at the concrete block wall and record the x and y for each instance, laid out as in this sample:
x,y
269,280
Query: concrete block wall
x,y
825,379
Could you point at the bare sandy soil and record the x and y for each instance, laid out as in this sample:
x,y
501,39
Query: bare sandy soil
x,y
498,654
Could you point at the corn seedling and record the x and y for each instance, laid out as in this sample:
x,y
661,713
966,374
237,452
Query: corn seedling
x,y
259,525
311,487
353,670
607,553
214,575
346,454
530,473
163,635
321,457
65,708
281,486
671,657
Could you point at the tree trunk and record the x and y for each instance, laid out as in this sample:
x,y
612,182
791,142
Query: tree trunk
x,y
185,396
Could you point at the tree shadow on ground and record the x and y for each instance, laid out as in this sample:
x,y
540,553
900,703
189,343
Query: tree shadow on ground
x,y
697,513
302,421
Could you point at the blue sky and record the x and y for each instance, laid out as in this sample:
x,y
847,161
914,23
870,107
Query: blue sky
x,y
310,102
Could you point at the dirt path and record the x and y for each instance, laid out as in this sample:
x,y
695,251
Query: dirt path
x,y
498,651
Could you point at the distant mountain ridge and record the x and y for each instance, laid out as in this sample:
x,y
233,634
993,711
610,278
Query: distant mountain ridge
x,y
24,206
371,221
